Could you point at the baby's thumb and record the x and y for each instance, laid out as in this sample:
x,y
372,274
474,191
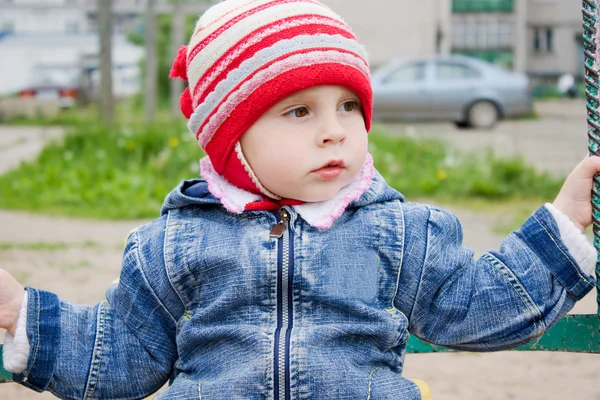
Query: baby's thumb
x,y
11,299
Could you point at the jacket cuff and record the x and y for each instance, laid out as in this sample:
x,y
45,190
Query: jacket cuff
x,y
43,332
578,244
16,348
542,234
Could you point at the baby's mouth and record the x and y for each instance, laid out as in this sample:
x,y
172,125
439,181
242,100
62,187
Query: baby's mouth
x,y
330,170
333,164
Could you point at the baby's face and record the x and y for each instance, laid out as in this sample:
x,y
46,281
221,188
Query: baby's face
x,y
309,145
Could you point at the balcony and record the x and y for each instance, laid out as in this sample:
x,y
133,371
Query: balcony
x,y
476,6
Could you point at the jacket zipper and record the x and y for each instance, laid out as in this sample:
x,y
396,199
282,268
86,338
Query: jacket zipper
x,y
285,269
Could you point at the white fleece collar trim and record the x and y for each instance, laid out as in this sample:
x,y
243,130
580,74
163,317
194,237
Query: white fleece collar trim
x,y
320,215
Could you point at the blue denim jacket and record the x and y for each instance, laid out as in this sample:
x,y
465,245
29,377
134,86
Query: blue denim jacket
x,y
262,305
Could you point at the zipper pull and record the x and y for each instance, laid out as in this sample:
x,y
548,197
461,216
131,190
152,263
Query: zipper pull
x,y
279,228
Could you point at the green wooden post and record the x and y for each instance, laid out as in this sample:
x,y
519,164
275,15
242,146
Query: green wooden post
x,y
5,376
573,333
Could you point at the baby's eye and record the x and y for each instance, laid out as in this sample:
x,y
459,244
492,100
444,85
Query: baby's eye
x,y
349,106
299,112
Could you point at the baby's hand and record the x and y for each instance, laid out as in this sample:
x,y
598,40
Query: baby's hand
x,y
11,297
574,199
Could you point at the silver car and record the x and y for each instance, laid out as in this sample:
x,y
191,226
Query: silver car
x,y
468,91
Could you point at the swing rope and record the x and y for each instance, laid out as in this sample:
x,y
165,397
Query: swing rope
x,y
591,24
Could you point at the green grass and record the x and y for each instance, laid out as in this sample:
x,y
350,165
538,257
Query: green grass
x,y
125,171
430,168
102,172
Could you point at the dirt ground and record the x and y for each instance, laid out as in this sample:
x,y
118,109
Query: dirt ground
x,y
78,259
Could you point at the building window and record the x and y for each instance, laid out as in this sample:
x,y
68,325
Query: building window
x,y
543,40
72,27
482,33
39,12
7,27
467,6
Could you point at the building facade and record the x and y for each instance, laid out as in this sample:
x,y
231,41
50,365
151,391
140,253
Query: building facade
x,y
554,38
55,42
392,29
487,29
76,16
539,37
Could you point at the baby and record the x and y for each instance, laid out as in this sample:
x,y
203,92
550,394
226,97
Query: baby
x,y
292,270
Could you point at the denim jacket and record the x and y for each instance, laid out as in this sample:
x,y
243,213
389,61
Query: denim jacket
x,y
262,305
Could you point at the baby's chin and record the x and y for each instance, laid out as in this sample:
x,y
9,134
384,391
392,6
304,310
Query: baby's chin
x,y
315,196
313,192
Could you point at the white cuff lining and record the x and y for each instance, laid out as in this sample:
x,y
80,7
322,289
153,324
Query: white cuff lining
x,y
16,349
577,243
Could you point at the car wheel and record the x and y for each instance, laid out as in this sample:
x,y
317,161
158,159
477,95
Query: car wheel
x,y
462,124
483,115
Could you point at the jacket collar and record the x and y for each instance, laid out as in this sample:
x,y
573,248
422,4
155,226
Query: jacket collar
x,y
368,187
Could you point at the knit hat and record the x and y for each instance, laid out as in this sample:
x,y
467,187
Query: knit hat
x,y
247,55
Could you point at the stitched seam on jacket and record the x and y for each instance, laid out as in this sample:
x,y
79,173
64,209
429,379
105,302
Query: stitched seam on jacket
x,y
371,383
141,263
401,260
519,289
551,236
37,338
94,373
380,293
187,250
425,257
169,251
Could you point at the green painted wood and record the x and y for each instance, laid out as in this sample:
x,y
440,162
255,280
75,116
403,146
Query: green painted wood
x,y
5,376
478,6
573,334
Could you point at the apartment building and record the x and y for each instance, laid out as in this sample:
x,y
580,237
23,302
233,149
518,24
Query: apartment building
x,y
76,16
488,29
55,42
388,28
554,38
392,29
539,37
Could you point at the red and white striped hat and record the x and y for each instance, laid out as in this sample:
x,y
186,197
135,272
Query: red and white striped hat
x,y
247,55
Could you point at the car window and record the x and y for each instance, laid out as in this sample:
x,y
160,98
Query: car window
x,y
451,71
407,73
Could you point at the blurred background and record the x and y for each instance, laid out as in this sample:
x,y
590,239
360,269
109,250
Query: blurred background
x,y
479,108
51,48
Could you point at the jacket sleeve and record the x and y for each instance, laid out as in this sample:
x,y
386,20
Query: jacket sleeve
x,y
500,301
121,348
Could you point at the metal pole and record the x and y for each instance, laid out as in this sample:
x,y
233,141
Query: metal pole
x,y
106,92
151,61
177,39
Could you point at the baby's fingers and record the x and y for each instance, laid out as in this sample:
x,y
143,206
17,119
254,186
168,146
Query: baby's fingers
x,y
588,167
